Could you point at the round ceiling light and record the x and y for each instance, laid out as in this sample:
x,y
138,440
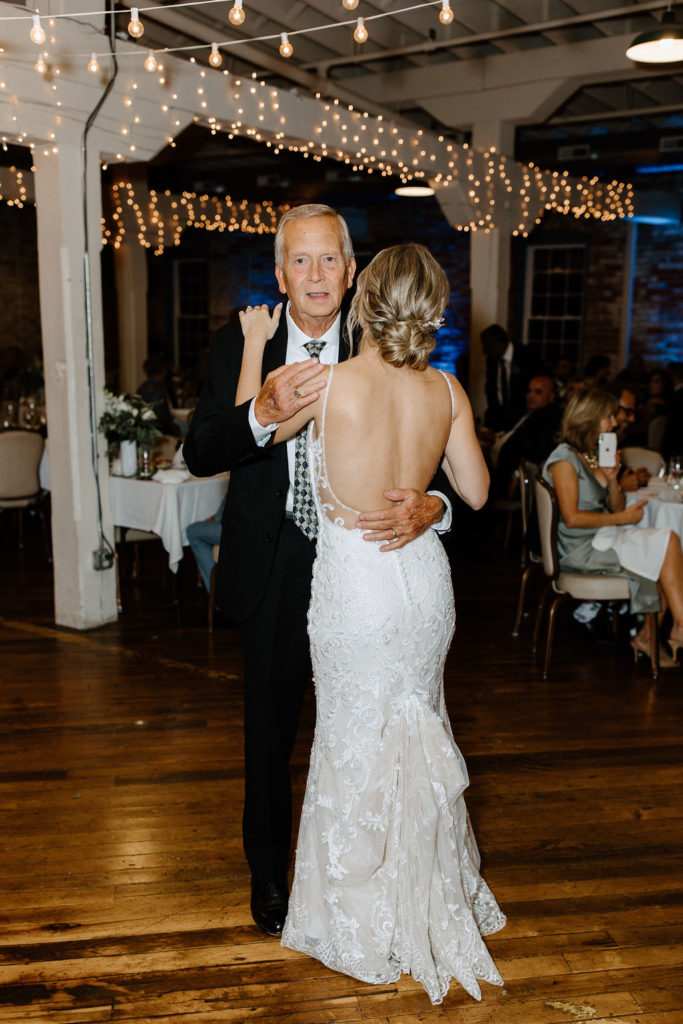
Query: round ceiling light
x,y
663,46
414,190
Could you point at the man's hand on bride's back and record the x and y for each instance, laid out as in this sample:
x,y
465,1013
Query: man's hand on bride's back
x,y
411,514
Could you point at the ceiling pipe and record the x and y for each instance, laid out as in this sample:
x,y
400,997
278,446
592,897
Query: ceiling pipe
x,y
617,115
432,46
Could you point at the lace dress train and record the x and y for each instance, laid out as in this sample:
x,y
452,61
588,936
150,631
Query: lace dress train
x,y
387,870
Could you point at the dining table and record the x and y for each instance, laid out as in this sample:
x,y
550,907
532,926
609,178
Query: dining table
x,y
664,504
166,505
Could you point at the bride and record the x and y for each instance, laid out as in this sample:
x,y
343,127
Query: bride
x,y
386,877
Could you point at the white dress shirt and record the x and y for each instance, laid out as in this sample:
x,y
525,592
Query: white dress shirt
x,y
505,367
296,353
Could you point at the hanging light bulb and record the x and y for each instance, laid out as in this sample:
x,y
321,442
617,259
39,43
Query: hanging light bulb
x,y
150,61
215,57
236,13
350,5
37,33
40,66
135,26
663,46
286,48
360,33
445,14
93,64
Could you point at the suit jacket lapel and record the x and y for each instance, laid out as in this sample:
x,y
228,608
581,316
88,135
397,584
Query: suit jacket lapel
x,y
344,347
275,352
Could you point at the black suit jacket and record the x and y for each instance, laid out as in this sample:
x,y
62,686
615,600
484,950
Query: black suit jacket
x,y
672,442
220,439
533,440
523,367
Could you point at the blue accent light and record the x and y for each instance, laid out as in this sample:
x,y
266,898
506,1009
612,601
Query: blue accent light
x,y
658,168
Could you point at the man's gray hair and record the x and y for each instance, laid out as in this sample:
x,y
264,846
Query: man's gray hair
x,y
303,213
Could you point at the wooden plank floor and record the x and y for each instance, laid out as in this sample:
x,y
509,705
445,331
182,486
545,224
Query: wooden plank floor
x,y
123,889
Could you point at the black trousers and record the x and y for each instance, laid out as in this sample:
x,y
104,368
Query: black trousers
x,y
277,667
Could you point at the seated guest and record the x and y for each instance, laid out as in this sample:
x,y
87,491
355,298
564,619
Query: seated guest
x,y
532,437
155,391
563,372
672,442
630,479
202,537
587,614
597,370
589,498
574,385
508,369
634,375
659,393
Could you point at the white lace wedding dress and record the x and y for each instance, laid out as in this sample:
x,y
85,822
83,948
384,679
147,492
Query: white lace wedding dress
x,y
386,878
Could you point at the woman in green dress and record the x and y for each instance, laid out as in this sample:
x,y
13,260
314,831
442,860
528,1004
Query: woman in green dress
x,y
590,499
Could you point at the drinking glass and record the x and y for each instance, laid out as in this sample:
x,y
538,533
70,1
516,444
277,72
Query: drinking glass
x,y
676,471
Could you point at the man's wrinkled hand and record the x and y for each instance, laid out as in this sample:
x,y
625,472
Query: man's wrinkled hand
x,y
411,514
287,390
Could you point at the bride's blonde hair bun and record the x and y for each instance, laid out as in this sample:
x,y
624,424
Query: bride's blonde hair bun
x,y
400,300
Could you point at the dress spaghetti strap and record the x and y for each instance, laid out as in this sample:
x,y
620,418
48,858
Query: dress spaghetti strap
x,y
450,389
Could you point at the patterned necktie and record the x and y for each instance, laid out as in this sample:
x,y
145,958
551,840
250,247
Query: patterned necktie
x,y
303,510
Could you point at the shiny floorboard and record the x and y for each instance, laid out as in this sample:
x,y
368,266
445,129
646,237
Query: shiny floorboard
x,y
123,888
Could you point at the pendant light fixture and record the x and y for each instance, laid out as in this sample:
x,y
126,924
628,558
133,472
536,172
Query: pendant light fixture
x,y
663,46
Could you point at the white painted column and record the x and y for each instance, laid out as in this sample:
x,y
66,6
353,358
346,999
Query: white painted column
x,y
130,265
489,267
84,597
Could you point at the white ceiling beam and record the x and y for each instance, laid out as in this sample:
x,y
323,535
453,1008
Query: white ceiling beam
x,y
505,86
494,35
261,59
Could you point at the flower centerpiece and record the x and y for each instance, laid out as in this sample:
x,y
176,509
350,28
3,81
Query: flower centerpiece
x,y
127,418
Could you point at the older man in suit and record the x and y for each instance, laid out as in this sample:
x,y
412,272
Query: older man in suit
x,y
267,544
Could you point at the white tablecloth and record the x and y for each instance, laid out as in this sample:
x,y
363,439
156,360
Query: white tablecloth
x,y
658,511
165,509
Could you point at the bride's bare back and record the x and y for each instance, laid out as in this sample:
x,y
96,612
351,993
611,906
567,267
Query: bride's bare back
x,y
387,427
384,428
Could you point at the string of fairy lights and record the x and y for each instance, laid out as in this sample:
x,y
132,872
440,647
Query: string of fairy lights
x,y
499,191
236,17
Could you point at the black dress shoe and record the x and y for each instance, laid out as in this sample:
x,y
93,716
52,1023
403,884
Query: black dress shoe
x,y
269,906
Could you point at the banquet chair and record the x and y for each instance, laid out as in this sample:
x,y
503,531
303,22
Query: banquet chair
x,y
578,585
656,430
635,457
20,452
129,535
212,591
531,556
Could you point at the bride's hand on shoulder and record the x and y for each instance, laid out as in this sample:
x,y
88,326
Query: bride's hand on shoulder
x,y
258,325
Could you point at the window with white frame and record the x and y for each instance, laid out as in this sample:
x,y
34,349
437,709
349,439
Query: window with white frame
x,y
191,311
555,301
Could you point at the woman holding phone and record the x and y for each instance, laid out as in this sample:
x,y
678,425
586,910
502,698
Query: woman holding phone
x,y
590,498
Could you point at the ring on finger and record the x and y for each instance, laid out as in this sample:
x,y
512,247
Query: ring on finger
x,y
297,393
394,533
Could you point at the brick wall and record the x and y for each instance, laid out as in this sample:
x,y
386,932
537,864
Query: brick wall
x,y
19,301
657,326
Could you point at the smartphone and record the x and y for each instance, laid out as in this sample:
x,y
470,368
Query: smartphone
x,y
607,450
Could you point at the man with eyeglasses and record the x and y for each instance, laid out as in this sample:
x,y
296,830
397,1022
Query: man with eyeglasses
x,y
630,479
